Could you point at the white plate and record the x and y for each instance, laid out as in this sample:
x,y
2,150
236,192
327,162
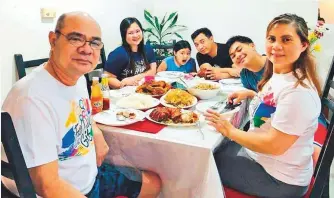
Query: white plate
x,y
204,106
230,81
123,92
232,88
172,124
109,117
155,102
170,74
164,103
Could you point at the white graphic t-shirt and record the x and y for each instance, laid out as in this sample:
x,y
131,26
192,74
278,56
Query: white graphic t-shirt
x,y
53,122
291,110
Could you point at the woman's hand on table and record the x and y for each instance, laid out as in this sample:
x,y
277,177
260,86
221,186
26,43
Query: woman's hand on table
x,y
238,96
219,122
130,81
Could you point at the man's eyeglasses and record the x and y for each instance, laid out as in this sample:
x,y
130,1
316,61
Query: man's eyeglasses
x,y
79,40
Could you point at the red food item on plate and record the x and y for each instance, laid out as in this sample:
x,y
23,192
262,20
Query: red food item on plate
x,y
160,114
202,73
167,114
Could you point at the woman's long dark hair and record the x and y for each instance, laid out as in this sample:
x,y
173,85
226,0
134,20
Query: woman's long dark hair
x,y
125,24
305,66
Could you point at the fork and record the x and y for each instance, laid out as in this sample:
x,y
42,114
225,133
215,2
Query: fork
x,y
229,106
218,104
198,124
186,85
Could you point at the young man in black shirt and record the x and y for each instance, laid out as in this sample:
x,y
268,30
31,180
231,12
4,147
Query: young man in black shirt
x,y
212,56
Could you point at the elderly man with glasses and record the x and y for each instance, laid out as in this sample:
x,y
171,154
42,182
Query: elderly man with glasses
x,y
51,111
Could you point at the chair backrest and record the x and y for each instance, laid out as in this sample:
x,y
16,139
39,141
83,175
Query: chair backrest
x,y
16,167
162,51
22,65
322,169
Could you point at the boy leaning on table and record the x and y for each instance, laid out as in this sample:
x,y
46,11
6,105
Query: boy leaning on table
x,y
62,147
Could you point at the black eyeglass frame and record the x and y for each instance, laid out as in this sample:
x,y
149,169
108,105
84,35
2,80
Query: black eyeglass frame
x,y
83,43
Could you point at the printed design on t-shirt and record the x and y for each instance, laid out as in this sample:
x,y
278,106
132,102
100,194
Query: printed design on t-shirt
x,y
265,108
72,118
79,138
139,68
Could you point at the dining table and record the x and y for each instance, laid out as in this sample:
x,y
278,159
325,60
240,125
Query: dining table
x,y
181,156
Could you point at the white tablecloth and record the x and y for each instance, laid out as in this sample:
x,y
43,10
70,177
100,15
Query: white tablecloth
x,y
179,155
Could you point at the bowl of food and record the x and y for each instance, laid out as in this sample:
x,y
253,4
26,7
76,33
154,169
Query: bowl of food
x,y
205,89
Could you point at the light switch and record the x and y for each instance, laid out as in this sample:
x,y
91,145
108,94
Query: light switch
x,y
48,13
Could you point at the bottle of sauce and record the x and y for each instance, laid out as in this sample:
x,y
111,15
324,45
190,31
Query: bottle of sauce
x,y
96,96
106,92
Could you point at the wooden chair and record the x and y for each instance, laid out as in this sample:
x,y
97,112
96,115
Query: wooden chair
x,y
321,173
15,168
162,51
21,65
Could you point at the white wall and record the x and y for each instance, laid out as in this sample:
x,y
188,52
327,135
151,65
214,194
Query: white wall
x,y
226,18
23,32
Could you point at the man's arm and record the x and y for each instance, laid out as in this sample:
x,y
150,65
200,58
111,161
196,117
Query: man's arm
x,y
231,71
101,146
47,182
222,73
205,66
216,73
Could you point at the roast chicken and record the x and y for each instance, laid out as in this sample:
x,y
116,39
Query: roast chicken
x,y
167,114
154,87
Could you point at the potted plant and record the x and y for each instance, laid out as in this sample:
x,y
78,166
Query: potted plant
x,y
159,31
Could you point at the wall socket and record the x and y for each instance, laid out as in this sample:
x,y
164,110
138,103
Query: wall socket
x,y
48,13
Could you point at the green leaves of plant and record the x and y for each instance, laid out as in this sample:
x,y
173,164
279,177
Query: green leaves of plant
x,y
148,14
178,35
171,16
157,24
148,17
159,29
150,30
